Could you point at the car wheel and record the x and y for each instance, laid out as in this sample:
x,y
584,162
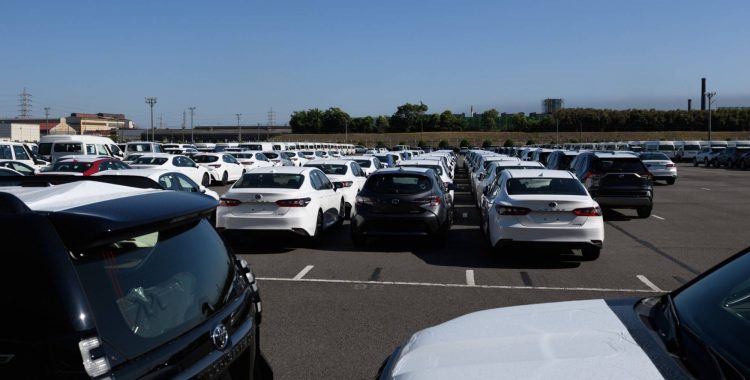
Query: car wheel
x,y
590,253
224,179
205,181
644,212
342,213
695,162
706,163
670,181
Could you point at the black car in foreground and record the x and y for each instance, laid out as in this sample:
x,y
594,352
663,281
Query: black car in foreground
x,y
402,201
700,330
108,281
616,180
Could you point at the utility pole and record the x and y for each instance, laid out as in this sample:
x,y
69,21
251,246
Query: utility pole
x,y
271,121
46,115
192,136
710,96
239,129
184,122
258,129
151,100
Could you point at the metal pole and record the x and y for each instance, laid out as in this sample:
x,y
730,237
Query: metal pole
x,y
151,100
192,134
258,132
239,139
557,131
710,96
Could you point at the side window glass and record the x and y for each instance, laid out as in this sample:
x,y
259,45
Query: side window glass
x,y
20,153
90,149
185,183
100,149
326,184
315,180
166,181
188,162
177,161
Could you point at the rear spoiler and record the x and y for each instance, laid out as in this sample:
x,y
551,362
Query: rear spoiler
x,y
50,180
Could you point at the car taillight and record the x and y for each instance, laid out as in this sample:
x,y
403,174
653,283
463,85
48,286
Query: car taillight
x,y
226,202
300,202
432,201
94,364
215,165
363,200
647,175
346,183
508,210
588,211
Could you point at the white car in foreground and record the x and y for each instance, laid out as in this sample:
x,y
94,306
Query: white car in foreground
x,y
284,199
545,207
344,173
223,167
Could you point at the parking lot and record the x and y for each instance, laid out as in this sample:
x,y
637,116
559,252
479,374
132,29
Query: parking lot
x,y
335,311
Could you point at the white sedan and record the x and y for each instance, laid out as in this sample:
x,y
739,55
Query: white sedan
x,y
660,166
545,207
179,163
252,159
222,167
286,199
369,164
345,173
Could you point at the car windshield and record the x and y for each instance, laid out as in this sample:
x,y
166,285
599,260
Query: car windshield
x,y
666,147
717,309
128,284
270,181
243,155
150,161
399,184
331,169
364,163
205,159
654,156
556,186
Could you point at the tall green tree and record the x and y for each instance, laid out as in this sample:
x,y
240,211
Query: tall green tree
x,y
407,117
335,120
382,124
489,119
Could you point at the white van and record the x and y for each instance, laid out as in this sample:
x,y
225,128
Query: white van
x,y
686,150
16,151
52,147
205,147
257,146
143,147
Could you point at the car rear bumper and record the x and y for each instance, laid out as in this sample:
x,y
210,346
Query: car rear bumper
x,y
422,224
298,224
584,235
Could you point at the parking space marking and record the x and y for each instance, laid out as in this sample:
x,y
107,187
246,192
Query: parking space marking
x,y
658,217
303,272
649,283
505,287
470,277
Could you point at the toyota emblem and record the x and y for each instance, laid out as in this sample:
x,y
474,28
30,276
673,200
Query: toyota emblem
x,y
553,204
220,336
258,196
395,201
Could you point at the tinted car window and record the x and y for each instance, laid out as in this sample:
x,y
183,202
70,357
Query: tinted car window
x,y
205,159
270,181
20,153
331,169
630,165
67,147
399,184
128,284
139,147
68,166
150,161
559,186
364,163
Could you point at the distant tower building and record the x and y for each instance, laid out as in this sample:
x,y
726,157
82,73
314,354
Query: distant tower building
x,y
551,105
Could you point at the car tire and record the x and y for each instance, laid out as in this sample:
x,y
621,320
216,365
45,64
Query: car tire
x,y
224,179
342,213
315,238
644,212
695,162
205,181
670,181
706,163
590,253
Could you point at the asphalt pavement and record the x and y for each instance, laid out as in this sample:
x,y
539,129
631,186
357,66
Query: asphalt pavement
x,y
335,311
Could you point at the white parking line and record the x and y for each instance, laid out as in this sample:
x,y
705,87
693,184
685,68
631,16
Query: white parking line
x,y
648,283
303,272
657,217
470,277
705,188
616,290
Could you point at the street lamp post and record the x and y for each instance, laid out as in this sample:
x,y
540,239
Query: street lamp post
x,y
151,100
239,138
192,135
710,96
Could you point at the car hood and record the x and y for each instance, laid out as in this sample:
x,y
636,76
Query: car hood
x,y
566,340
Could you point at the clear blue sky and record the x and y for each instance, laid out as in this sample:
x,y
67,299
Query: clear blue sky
x,y
368,57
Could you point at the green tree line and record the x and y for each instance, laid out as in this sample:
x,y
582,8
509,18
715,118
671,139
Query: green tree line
x,y
414,118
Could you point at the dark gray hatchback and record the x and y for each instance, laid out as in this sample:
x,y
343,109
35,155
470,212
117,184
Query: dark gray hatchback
x,y
127,283
402,201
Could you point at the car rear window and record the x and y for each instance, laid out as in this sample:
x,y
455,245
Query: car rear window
x,y
150,161
67,147
364,163
68,166
271,156
270,181
399,184
149,289
205,159
499,169
556,186
623,164
331,169
436,168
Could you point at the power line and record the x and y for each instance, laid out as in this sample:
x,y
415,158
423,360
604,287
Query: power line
x,y
24,104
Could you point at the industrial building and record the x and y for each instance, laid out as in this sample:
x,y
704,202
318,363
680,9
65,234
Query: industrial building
x,y
550,105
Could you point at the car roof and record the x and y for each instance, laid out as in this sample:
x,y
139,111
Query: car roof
x,y
282,169
71,195
401,169
419,162
614,155
84,158
535,173
141,172
332,161
165,155
504,164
